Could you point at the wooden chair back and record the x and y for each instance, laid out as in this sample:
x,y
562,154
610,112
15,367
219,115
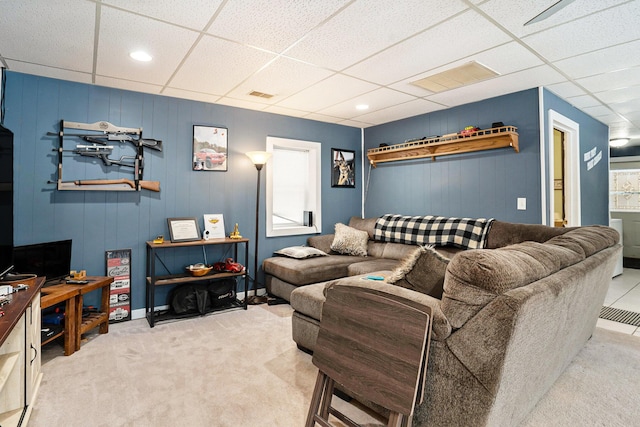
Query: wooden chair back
x,y
374,345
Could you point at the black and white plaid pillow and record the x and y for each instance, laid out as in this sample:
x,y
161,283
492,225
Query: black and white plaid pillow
x,y
466,233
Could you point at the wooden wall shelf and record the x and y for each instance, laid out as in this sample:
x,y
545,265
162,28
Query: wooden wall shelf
x,y
485,139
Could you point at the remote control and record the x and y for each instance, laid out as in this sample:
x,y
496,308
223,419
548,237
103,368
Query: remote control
x,y
77,282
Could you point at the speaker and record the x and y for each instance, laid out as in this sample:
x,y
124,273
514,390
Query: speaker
x,y
307,218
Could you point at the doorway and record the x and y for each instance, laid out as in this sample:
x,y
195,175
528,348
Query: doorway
x,y
568,150
559,212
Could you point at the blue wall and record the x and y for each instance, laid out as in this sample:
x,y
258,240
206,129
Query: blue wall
x,y
98,220
594,183
481,184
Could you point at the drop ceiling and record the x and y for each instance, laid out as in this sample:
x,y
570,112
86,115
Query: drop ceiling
x,y
321,58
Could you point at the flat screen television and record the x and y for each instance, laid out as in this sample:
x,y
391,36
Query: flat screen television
x,y
51,260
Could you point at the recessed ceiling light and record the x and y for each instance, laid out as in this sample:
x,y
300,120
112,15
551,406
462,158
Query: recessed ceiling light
x,y
362,107
618,142
141,56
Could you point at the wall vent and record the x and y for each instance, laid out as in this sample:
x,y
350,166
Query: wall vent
x,y
260,94
469,73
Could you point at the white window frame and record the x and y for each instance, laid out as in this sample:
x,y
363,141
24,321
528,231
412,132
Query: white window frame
x,y
315,178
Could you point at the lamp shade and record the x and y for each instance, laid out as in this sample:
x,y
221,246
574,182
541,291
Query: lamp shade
x,y
259,157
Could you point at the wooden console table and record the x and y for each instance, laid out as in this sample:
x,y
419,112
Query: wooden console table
x,y
75,323
154,280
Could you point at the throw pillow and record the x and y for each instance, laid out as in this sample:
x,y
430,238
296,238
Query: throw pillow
x,y
350,241
422,271
300,252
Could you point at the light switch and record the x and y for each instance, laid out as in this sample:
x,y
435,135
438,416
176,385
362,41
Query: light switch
x,y
522,203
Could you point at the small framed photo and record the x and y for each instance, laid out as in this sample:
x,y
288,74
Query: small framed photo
x,y
183,229
210,148
213,226
343,168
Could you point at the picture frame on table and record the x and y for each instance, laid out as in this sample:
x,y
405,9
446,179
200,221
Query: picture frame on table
x,y
214,226
210,148
343,168
183,229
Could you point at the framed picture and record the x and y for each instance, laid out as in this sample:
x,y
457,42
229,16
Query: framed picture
x,y
214,226
183,229
209,148
343,168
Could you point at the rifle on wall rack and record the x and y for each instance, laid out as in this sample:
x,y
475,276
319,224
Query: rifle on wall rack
x,y
102,152
121,184
106,132
109,133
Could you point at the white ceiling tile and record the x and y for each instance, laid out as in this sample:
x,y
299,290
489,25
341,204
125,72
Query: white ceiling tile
x,y
330,91
55,33
401,111
614,80
122,33
55,73
216,66
191,14
322,118
241,103
275,109
608,28
187,94
601,61
513,14
430,49
367,27
597,110
127,85
566,89
281,78
271,24
356,124
376,100
619,96
583,101
533,77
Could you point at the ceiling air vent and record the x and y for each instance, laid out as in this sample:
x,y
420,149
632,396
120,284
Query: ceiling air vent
x,y
469,73
260,94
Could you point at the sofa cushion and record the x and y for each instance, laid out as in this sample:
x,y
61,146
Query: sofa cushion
x,y
350,241
364,224
300,252
308,300
311,270
371,265
422,271
476,277
322,242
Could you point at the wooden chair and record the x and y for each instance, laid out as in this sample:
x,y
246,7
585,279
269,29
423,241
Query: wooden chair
x,y
374,345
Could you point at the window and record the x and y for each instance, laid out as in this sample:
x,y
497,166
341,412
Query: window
x,y
293,187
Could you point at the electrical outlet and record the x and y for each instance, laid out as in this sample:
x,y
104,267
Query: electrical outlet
x,y
522,203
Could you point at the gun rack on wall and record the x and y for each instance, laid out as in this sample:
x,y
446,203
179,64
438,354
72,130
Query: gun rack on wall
x,y
102,133
485,139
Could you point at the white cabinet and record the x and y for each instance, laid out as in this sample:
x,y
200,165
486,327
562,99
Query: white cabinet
x,y
19,356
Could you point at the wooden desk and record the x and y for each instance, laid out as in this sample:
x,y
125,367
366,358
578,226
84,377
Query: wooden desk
x,y
75,324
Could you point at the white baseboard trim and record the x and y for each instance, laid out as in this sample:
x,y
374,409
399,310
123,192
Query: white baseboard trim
x,y
141,313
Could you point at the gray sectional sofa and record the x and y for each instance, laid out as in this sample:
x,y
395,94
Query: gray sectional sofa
x,y
510,318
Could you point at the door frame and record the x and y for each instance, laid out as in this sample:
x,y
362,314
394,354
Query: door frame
x,y
571,132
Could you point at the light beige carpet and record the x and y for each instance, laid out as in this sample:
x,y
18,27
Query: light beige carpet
x,y
242,369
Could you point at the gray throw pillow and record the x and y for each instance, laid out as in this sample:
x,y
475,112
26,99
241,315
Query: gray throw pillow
x,y
300,252
350,241
422,271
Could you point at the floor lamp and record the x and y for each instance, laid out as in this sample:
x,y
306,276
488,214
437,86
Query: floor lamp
x,y
258,158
